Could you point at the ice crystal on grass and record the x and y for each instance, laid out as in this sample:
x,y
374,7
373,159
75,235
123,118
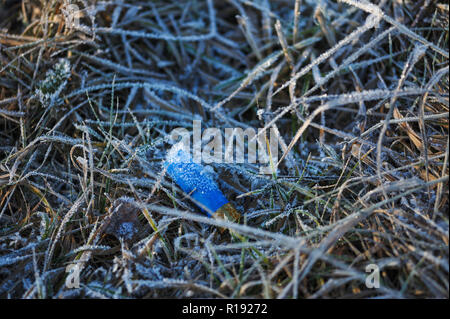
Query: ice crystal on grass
x,y
49,89
123,222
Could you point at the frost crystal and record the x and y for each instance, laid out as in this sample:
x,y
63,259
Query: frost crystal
x,y
53,84
126,230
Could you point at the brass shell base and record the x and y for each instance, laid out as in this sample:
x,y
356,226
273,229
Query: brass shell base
x,y
227,212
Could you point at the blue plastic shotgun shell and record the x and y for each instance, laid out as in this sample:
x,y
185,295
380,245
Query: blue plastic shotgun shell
x,y
194,180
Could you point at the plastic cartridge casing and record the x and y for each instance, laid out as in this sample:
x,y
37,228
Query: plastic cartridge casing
x,y
195,181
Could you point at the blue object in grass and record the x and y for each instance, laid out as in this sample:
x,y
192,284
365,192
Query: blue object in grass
x,y
194,180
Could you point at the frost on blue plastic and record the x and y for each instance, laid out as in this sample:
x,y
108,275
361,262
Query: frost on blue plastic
x,y
194,180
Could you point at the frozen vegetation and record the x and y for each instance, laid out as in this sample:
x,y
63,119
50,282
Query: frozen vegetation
x,y
356,92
